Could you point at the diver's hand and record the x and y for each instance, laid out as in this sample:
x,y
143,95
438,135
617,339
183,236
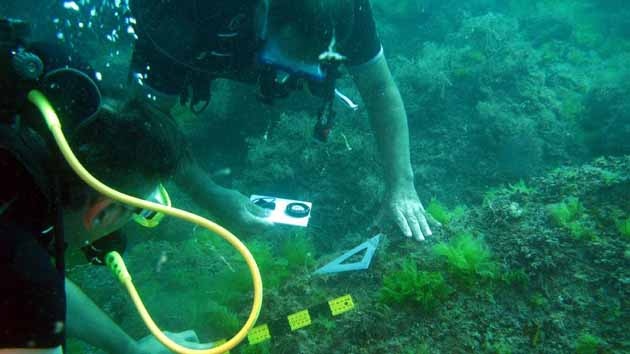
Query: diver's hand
x,y
239,212
231,207
150,345
403,205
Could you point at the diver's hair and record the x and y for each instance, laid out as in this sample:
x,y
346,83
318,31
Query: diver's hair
x,y
126,149
315,20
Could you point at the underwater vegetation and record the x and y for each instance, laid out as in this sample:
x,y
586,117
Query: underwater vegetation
x,y
567,211
468,259
467,264
623,225
570,214
589,344
293,255
409,285
498,348
262,348
226,320
299,251
232,283
419,349
442,214
521,187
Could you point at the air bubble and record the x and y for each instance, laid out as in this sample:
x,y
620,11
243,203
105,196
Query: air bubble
x,y
71,5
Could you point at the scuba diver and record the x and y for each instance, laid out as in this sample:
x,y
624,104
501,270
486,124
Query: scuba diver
x,y
45,207
279,46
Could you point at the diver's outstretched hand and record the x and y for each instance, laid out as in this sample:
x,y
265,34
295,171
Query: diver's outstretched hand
x,y
405,208
150,345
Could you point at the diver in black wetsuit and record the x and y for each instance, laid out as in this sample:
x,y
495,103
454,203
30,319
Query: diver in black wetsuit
x,y
44,207
278,45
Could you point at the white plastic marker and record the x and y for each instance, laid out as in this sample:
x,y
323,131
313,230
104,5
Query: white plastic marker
x,y
284,211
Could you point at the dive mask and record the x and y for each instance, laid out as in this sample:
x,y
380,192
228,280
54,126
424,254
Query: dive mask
x,y
150,218
272,56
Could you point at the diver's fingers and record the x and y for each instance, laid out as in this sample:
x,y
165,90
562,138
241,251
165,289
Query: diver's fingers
x,y
401,221
415,227
424,225
256,222
258,211
254,216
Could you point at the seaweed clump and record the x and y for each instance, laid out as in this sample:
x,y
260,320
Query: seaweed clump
x,y
469,260
623,226
442,214
299,252
570,215
589,344
566,212
410,285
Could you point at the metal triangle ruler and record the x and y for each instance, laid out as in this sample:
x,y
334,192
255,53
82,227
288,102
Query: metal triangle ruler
x,y
338,265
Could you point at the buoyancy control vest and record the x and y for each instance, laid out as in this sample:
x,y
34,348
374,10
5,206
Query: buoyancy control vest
x,y
219,39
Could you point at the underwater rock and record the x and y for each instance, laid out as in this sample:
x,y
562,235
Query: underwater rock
x,y
543,29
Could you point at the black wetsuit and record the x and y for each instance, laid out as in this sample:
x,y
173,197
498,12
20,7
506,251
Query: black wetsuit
x,y
180,42
32,296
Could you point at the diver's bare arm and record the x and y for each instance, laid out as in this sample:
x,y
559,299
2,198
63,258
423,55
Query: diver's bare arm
x,y
389,120
198,184
87,322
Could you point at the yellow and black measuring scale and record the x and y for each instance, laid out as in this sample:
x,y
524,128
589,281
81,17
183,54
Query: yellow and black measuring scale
x,y
298,320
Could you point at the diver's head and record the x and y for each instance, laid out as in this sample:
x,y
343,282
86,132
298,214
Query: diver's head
x,y
127,150
296,33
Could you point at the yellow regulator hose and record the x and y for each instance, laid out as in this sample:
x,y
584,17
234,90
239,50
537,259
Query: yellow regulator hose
x,y
115,261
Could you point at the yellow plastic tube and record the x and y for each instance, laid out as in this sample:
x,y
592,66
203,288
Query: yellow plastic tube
x,y
114,259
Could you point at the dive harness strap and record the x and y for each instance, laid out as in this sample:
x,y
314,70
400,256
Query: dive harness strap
x,y
274,84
